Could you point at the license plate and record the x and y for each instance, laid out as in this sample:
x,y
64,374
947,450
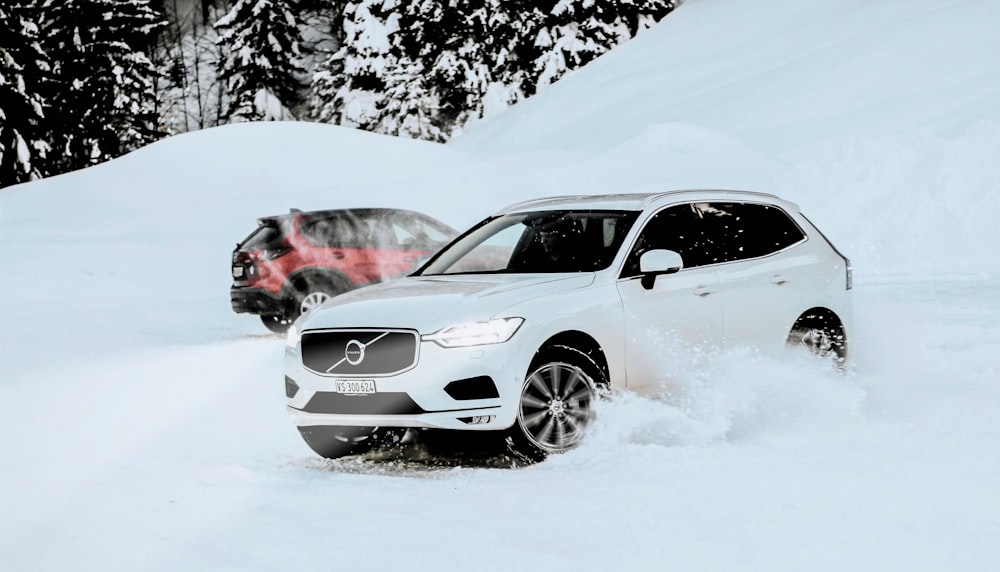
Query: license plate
x,y
237,271
356,386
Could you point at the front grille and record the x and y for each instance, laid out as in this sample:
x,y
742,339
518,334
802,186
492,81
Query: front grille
x,y
372,404
359,352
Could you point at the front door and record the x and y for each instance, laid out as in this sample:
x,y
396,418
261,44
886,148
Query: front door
x,y
669,327
675,325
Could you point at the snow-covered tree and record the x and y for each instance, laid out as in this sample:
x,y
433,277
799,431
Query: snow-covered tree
x,y
503,26
449,40
262,38
24,68
574,32
416,70
350,87
104,103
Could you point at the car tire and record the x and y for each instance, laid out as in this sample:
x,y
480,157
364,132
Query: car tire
x,y
312,292
276,323
334,442
822,336
556,403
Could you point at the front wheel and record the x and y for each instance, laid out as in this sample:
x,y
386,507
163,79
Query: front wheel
x,y
557,402
334,442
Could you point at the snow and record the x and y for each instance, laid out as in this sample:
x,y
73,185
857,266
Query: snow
x,y
143,422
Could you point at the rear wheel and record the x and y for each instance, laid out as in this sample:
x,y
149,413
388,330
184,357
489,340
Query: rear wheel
x,y
334,442
557,402
312,292
822,336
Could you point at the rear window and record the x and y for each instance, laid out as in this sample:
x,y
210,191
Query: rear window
x,y
266,236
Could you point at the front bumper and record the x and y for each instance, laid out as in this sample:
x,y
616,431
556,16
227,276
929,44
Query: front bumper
x,y
472,388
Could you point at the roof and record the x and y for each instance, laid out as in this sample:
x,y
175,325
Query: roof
x,y
638,201
361,211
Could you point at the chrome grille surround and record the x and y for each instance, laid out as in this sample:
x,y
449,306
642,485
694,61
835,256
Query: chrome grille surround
x,y
360,352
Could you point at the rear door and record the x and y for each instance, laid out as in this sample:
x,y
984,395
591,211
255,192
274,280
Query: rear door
x,y
765,274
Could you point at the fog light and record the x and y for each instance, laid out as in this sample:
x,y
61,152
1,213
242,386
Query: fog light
x,y
477,420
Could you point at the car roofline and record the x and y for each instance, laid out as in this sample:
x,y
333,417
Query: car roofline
x,y
329,212
639,200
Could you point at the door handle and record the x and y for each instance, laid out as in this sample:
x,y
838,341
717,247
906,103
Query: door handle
x,y
704,291
778,280
337,255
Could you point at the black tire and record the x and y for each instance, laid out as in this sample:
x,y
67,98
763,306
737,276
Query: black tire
x,y
277,324
334,442
556,403
822,336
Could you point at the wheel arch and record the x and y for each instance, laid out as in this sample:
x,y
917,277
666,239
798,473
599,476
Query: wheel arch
x,y
298,280
581,342
825,317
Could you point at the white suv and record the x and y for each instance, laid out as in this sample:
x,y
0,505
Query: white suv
x,y
522,322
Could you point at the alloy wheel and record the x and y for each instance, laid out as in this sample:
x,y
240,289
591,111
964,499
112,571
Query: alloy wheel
x,y
556,406
312,300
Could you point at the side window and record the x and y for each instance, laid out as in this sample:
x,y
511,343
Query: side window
x,y
685,229
712,233
333,232
413,232
752,230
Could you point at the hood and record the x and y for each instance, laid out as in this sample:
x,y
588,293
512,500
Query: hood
x,y
429,303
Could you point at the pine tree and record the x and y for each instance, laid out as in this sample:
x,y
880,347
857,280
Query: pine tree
x,y
452,43
103,104
504,25
415,70
569,34
439,74
24,68
425,68
350,87
262,37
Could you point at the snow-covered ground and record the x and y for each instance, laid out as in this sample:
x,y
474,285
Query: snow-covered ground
x,y
142,423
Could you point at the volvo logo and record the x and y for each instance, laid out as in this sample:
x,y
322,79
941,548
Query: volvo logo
x,y
354,352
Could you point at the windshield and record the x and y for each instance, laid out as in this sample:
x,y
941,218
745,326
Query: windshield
x,y
536,242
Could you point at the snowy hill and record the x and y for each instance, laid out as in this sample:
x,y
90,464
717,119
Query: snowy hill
x,y
143,422
785,79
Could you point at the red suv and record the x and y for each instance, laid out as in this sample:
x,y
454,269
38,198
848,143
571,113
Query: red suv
x,y
294,262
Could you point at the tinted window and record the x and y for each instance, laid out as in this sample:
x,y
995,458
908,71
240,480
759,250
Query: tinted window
x,y
337,231
712,233
757,230
266,236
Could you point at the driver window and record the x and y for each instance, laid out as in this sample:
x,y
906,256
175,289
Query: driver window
x,y
681,228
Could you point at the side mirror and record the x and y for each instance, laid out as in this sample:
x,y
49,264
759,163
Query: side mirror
x,y
656,262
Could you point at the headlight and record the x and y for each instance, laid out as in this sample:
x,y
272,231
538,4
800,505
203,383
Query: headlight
x,y
495,331
293,337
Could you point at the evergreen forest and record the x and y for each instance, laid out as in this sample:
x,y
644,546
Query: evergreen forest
x,y
84,81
